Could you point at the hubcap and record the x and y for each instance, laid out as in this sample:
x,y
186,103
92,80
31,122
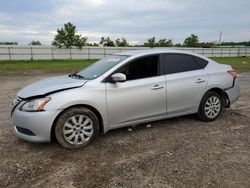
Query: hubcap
x,y
78,129
212,107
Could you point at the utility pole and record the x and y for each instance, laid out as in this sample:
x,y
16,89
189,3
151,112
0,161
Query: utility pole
x,y
220,37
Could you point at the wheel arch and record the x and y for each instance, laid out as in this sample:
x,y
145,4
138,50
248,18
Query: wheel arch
x,y
222,93
93,109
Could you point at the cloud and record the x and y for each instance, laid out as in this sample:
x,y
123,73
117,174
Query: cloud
x,y
26,20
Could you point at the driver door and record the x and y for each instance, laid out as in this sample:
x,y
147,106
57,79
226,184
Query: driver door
x,y
141,96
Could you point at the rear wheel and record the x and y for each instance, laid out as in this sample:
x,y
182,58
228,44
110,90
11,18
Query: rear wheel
x,y
76,127
210,107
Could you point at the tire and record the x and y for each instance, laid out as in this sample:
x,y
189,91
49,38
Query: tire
x,y
210,107
76,127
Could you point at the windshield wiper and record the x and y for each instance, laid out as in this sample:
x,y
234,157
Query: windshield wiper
x,y
76,75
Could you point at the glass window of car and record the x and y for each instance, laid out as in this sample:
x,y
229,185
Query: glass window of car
x,y
175,63
100,67
143,67
201,63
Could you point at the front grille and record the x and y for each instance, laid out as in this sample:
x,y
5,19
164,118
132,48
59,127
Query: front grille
x,y
25,131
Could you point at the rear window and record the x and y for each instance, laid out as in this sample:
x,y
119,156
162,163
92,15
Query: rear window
x,y
201,63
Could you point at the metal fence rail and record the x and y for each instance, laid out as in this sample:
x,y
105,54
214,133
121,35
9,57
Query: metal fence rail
x,y
51,53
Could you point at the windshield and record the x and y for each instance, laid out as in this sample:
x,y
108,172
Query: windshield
x,y
100,67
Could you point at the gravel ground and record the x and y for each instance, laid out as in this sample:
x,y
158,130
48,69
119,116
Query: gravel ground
x,y
179,152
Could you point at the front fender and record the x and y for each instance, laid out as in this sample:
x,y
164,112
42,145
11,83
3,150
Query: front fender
x,y
94,97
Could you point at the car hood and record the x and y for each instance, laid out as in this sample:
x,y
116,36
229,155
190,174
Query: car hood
x,y
50,85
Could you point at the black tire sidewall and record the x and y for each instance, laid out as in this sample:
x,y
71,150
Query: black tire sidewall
x,y
65,116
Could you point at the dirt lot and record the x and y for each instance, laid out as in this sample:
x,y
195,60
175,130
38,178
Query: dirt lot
x,y
180,152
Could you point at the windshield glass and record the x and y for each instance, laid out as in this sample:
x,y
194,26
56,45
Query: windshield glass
x,y
100,67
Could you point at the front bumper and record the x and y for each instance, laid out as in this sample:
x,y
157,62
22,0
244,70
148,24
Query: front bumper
x,y
33,126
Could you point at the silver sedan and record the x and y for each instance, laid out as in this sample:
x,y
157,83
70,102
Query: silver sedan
x,y
122,90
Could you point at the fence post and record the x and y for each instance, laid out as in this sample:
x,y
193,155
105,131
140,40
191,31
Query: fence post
x,y
238,52
104,51
246,51
31,53
221,52
9,53
88,53
70,55
202,51
230,49
52,55
212,52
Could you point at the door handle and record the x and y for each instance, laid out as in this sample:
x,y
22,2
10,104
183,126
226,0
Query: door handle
x,y
155,87
199,80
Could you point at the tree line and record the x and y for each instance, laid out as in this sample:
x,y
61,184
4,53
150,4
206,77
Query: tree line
x,y
67,37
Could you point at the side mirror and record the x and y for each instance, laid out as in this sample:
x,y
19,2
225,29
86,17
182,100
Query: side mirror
x,y
118,77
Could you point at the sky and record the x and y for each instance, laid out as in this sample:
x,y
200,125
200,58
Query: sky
x,y
136,20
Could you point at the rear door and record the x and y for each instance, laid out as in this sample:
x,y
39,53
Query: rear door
x,y
141,96
185,81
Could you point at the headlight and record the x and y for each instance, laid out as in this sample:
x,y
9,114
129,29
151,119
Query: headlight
x,y
35,105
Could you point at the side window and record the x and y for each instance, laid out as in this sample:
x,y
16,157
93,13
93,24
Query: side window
x,y
201,63
141,68
175,63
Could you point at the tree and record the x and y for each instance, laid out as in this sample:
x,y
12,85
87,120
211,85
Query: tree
x,y
121,42
161,43
8,43
92,44
67,37
207,44
106,42
150,43
35,43
192,41
164,43
244,43
178,45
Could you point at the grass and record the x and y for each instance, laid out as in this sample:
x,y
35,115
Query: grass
x,y
67,66
238,63
46,66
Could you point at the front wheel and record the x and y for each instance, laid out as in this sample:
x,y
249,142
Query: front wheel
x,y
210,107
76,127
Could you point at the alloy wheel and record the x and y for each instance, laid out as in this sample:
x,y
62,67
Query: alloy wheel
x,y
78,129
212,107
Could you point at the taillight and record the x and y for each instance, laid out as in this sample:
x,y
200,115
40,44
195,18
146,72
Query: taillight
x,y
233,73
